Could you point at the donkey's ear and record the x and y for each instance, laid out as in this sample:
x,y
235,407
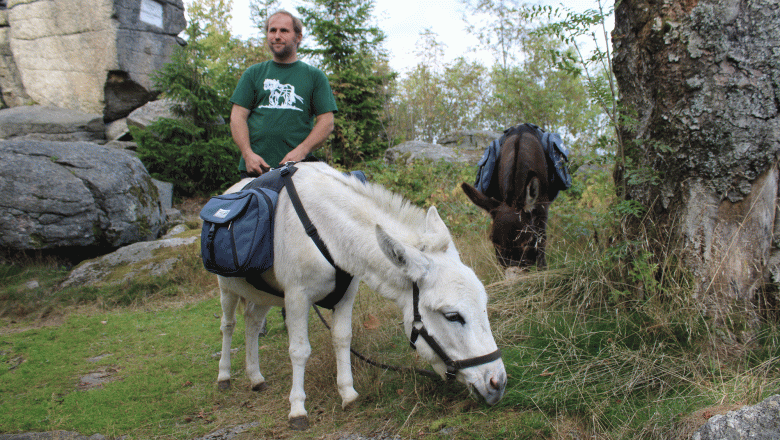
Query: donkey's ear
x,y
410,260
437,235
433,222
531,194
478,198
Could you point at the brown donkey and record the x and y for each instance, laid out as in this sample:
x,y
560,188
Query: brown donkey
x,y
518,200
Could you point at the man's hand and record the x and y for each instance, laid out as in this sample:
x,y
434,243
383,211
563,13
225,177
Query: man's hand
x,y
255,164
295,155
323,126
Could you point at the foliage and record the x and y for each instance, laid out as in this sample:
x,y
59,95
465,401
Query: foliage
x,y
259,11
595,66
196,160
434,98
349,50
216,58
528,81
414,181
539,93
196,151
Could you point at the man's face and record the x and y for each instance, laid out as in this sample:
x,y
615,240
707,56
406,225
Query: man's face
x,y
282,39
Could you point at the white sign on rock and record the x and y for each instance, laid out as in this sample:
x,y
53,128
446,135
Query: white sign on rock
x,y
152,13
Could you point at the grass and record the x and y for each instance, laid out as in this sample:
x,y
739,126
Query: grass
x,y
596,346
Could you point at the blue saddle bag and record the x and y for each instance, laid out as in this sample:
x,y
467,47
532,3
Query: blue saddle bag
x,y
237,235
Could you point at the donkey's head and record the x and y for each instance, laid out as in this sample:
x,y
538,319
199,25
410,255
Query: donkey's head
x,y
518,233
445,309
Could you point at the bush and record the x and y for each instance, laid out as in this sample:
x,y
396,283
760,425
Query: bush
x,y
177,151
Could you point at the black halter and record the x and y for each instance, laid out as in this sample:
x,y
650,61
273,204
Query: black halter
x,y
452,366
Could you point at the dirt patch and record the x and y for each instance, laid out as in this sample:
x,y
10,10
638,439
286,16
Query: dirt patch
x,y
47,318
97,378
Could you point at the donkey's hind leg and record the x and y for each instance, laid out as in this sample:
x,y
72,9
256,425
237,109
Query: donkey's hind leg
x,y
254,318
229,303
342,340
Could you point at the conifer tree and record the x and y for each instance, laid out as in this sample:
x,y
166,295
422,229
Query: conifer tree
x,y
348,49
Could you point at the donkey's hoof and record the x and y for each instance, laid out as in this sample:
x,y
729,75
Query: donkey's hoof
x,y
349,399
223,385
300,423
262,386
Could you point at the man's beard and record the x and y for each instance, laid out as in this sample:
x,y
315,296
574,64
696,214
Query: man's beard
x,y
284,52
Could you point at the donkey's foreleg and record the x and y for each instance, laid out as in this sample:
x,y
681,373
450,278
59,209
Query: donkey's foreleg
x,y
227,326
297,317
254,317
342,340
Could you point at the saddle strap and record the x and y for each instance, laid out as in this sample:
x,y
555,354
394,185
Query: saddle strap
x,y
343,278
287,172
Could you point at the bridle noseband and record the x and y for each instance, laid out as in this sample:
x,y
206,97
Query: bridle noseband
x,y
452,366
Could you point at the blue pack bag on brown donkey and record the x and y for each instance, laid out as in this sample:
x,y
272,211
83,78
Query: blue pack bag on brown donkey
x,y
556,153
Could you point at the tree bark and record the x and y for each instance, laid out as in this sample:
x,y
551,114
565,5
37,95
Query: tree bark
x,y
700,93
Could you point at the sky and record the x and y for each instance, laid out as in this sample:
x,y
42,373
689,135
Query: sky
x,y
404,20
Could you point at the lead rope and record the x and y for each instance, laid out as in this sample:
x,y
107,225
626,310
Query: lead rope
x,y
374,363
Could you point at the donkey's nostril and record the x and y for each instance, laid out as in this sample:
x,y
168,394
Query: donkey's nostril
x,y
494,383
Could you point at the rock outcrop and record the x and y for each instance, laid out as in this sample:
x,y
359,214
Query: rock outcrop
x,y
96,56
138,259
74,195
52,124
457,146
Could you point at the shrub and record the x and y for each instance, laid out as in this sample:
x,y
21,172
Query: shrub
x,y
177,151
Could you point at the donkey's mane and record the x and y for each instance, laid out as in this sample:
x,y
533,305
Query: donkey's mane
x,y
393,206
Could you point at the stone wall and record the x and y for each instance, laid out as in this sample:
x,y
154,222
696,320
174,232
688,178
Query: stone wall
x,y
95,56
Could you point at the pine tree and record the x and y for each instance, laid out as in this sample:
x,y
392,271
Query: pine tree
x,y
348,49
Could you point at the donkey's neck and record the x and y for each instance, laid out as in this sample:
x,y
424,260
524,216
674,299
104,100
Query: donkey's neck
x,y
346,213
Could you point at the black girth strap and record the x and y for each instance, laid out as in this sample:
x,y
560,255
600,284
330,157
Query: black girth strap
x,y
452,366
343,278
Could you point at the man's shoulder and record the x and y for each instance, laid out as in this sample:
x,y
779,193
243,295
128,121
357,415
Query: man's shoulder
x,y
304,66
297,65
261,65
260,69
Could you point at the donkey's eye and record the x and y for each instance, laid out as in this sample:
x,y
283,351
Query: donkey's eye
x,y
454,317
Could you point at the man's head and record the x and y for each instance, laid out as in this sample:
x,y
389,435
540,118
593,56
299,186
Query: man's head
x,y
284,33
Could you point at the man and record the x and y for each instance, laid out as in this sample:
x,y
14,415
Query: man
x,y
283,108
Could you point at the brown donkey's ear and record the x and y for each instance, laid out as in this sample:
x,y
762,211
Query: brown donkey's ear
x,y
478,198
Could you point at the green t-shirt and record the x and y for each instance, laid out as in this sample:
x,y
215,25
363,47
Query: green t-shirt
x,y
284,100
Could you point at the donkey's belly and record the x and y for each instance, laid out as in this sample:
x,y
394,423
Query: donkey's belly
x,y
242,288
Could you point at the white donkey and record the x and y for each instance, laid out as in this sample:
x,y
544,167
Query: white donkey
x,y
400,251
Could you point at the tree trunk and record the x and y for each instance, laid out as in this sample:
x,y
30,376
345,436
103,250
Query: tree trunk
x,y
700,92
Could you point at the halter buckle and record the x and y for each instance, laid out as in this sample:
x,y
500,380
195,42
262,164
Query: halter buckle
x,y
451,373
414,335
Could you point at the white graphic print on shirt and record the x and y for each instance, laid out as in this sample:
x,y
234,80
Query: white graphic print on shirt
x,y
282,95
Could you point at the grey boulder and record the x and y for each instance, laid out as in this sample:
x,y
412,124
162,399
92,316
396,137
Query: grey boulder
x,y
74,194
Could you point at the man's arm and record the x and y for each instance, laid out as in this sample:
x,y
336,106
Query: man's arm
x,y
322,129
240,131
